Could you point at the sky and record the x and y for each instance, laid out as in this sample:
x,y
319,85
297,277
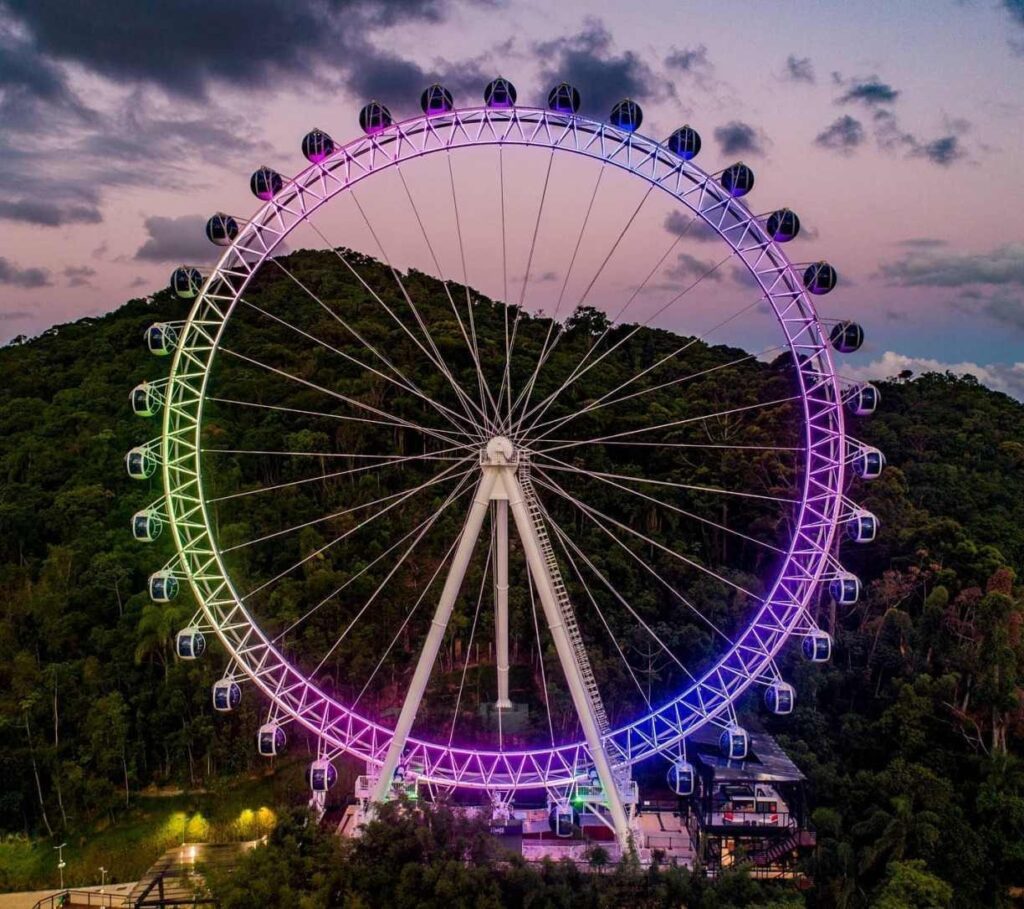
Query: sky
x,y
895,129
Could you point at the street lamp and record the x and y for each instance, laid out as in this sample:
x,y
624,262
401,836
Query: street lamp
x,y
103,878
60,862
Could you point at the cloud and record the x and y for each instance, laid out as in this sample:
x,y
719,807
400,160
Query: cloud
x,y
1006,308
1005,377
1015,8
79,275
692,62
684,225
13,276
588,61
152,70
943,151
928,268
844,135
922,243
739,138
688,266
49,214
15,315
879,97
799,69
185,46
176,240
870,91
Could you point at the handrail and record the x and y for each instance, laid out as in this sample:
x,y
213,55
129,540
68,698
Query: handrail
x,y
69,897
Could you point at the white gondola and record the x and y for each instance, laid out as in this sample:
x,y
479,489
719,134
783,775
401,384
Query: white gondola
x,y
562,819
862,527
374,118
435,100
190,643
186,281
844,589
500,94
270,740
161,338
734,742
317,146
780,698
684,142
737,179
227,695
163,587
564,99
627,116
820,278
783,225
266,183
846,337
682,778
146,525
863,400
146,400
817,647
321,776
868,463
221,229
140,462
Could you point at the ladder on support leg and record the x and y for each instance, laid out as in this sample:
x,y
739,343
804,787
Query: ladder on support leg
x,y
572,628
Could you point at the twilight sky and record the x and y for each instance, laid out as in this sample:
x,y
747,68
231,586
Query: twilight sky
x,y
893,128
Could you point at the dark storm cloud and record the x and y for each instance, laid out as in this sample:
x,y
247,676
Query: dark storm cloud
x,y
29,82
843,135
399,82
588,61
48,214
163,59
870,91
1003,266
14,276
183,45
799,69
176,240
739,138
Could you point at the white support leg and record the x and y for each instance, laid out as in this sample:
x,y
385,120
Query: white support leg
x,y
581,701
435,637
501,600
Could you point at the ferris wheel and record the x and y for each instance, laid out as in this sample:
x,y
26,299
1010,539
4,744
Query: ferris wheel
x,y
407,447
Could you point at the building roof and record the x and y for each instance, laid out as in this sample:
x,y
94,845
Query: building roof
x,y
766,762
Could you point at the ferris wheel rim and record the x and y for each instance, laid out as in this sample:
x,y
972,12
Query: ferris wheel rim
x,y
660,728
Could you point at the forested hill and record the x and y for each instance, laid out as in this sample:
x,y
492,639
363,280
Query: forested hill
x,y
911,737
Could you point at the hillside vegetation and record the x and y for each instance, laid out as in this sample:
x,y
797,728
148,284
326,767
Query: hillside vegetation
x,y
911,737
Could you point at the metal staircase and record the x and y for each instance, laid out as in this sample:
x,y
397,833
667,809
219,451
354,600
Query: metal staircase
x,y
561,594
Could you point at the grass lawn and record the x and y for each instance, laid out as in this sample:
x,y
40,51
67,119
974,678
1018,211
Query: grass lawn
x,y
240,809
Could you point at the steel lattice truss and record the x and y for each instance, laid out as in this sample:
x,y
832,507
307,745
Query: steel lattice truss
x,y
782,613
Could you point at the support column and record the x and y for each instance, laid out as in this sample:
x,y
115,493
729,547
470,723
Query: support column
x,y
581,701
501,600
435,637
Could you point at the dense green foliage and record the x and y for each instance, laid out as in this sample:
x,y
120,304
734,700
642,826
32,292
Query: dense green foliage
x,y
910,738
